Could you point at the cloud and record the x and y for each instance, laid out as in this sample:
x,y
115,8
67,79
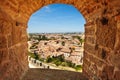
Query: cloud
x,y
47,9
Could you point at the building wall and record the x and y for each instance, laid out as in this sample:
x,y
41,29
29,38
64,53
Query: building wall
x,y
102,34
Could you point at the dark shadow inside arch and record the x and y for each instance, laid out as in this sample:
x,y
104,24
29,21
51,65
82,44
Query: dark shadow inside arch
x,y
56,38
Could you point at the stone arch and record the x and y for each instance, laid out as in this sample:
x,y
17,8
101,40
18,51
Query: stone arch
x,y
102,17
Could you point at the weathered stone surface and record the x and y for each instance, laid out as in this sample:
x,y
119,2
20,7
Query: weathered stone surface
x,y
4,56
102,53
114,59
107,73
117,75
106,32
13,53
51,74
90,40
90,48
5,27
102,31
90,30
3,42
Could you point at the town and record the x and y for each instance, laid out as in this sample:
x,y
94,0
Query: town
x,y
57,48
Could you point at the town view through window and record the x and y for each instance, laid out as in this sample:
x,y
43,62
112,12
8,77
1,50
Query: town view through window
x,y
56,38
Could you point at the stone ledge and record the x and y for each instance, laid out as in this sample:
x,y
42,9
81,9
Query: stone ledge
x,y
51,74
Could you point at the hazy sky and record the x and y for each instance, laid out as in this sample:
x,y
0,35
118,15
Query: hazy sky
x,y
56,18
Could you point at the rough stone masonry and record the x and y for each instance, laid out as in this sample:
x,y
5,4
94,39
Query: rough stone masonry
x,y
102,36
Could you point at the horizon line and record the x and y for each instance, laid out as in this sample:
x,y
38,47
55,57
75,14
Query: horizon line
x,y
57,32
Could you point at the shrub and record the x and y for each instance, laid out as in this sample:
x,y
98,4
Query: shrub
x,y
57,62
33,55
78,67
41,59
70,64
49,59
63,43
64,64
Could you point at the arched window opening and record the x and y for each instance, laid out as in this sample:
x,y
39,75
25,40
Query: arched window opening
x,y
56,37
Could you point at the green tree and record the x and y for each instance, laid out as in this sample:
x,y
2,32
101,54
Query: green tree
x,y
78,67
44,37
39,38
81,41
63,43
49,59
57,62
33,55
70,64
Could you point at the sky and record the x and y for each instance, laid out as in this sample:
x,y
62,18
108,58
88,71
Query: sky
x,y
56,18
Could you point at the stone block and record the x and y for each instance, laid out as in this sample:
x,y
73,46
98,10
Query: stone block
x,y
90,30
114,59
117,18
117,75
106,33
4,56
9,40
90,40
16,35
98,62
87,62
5,27
108,71
3,42
89,48
3,69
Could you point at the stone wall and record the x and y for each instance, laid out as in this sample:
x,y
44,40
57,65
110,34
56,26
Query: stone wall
x,y
102,46
102,34
13,48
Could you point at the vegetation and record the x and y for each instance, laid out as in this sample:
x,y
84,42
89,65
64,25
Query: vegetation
x,y
79,38
49,59
33,47
41,59
33,55
78,67
70,64
36,56
63,43
81,41
56,60
60,61
39,37
42,37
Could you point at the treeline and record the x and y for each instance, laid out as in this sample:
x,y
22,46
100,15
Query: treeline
x,y
39,37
